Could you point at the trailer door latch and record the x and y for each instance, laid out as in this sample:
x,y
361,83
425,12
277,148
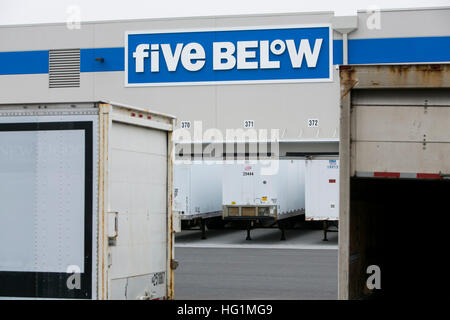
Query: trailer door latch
x,y
113,227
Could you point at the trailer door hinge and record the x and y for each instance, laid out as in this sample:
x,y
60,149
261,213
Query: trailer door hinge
x,y
174,264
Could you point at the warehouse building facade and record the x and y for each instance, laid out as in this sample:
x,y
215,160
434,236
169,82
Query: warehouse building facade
x,y
277,75
52,63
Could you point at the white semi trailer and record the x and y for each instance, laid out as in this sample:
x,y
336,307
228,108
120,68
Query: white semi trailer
x,y
322,193
85,211
264,193
197,194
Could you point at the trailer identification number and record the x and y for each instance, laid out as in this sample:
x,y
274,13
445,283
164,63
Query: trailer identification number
x,y
313,123
332,164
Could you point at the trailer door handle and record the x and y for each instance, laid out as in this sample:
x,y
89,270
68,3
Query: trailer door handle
x,y
113,227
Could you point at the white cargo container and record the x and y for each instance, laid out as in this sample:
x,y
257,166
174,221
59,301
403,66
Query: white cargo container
x,y
322,190
322,193
85,210
197,190
249,193
197,194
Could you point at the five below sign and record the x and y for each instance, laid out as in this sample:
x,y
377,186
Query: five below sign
x,y
287,54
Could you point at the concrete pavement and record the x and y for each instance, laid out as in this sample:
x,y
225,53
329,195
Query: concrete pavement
x,y
226,266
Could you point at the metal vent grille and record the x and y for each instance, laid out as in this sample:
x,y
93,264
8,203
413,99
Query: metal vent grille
x,y
64,68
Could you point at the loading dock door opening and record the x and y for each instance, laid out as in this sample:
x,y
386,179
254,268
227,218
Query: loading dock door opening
x,y
401,227
395,165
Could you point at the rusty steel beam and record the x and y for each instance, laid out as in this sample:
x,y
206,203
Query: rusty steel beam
x,y
397,76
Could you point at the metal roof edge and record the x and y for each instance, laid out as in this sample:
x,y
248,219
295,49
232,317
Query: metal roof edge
x,y
118,104
408,9
92,102
212,17
248,15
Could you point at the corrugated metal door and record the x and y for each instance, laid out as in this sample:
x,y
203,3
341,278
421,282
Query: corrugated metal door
x,y
138,192
400,131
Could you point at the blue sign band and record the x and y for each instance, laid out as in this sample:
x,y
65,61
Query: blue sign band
x,y
267,55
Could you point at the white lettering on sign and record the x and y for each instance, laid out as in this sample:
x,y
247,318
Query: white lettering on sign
x,y
265,62
154,59
243,53
304,50
139,55
171,58
226,55
223,51
193,57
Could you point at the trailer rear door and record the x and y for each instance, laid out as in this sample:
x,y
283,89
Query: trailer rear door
x,y
138,193
47,205
399,162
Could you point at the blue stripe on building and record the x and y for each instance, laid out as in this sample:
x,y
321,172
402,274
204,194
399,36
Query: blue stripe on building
x,y
360,51
113,59
24,62
399,50
337,52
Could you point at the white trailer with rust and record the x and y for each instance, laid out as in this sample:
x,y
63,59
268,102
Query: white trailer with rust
x,y
264,193
85,207
197,194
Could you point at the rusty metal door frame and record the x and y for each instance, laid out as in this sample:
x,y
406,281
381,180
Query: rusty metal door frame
x,y
419,76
